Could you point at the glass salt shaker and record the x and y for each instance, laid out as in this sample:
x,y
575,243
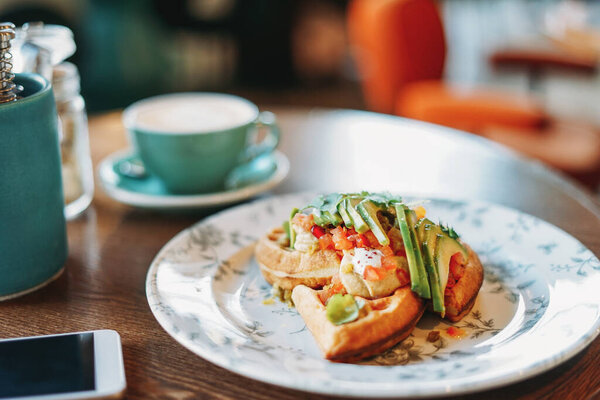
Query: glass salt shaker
x,y
77,170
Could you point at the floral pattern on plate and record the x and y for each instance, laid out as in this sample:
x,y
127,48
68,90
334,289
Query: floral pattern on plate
x,y
538,306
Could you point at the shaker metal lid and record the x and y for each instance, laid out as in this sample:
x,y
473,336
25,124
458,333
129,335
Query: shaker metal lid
x,y
7,87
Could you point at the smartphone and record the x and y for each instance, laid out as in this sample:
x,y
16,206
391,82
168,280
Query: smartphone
x,y
82,365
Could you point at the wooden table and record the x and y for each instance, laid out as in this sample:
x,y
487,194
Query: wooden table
x,y
112,245
539,56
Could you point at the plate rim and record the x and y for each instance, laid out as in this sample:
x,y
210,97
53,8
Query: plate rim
x,y
510,377
174,201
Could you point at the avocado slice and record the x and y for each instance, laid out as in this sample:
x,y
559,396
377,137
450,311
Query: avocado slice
x,y
286,227
445,248
333,217
320,218
341,207
416,267
324,210
330,210
422,227
291,227
432,232
411,217
368,211
359,224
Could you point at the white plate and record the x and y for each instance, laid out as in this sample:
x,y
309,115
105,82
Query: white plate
x,y
539,305
149,193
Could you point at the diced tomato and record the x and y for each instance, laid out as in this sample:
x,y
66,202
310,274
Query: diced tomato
x,y
354,237
317,231
339,288
420,211
337,285
326,242
389,263
359,240
403,276
335,279
401,252
455,332
324,295
338,231
340,239
362,241
374,274
371,239
304,221
343,244
387,251
381,272
370,274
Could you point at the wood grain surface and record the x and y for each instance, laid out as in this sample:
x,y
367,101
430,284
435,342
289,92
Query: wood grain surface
x,y
112,245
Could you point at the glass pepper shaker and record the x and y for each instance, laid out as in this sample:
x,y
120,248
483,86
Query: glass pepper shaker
x,y
77,170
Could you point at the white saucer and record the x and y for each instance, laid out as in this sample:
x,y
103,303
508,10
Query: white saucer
x,y
150,193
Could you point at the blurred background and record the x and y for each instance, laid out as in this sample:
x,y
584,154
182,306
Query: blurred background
x,y
521,72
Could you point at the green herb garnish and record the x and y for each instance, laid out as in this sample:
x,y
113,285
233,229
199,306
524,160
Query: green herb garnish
x,y
448,230
383,199
326,207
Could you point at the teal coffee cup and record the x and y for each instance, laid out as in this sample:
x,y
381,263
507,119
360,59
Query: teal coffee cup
x,y
33,242
193,141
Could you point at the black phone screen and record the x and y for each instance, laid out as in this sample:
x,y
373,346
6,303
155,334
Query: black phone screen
x,y
47,365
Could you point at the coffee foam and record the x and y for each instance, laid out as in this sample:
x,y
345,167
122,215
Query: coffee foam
x,y
191,113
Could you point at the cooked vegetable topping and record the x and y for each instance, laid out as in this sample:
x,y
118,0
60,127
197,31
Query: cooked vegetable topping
x,y
382,244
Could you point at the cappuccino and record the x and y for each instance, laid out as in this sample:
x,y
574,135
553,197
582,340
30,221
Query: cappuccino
x,y
191,113
192,141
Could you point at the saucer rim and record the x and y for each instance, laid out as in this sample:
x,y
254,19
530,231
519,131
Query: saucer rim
x,y
144,200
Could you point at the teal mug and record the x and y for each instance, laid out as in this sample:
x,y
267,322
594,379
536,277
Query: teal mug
x,y
33,241
193,141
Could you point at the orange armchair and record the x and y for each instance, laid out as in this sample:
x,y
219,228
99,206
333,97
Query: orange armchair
x,y
400,52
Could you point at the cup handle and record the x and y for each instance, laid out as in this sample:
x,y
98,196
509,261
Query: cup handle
x,y
267,120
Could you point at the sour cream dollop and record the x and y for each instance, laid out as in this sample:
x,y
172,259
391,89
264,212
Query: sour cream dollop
x,y
363,257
